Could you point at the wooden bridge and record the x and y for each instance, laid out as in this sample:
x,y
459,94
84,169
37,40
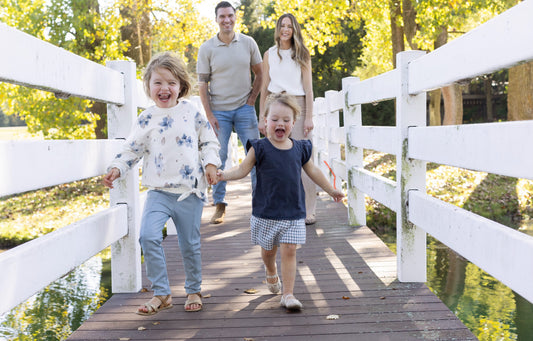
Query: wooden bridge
x,y
342,270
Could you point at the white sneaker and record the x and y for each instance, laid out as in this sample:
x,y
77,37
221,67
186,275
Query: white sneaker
x,y
290,302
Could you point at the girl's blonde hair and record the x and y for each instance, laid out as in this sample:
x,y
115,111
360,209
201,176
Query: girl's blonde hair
x,y
285,99
174,64
300,53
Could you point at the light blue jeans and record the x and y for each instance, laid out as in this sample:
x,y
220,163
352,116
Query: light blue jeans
x,y
244,120
186,214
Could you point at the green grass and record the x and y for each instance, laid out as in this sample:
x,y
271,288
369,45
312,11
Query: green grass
x,y
506,200
30,215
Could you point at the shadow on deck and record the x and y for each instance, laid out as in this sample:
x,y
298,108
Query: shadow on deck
x,y
342,270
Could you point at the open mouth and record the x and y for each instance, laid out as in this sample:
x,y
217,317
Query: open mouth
x,y
164,97
280,132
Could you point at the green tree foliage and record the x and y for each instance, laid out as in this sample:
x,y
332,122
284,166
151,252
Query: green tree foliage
x,y
422,23
97,31
78,26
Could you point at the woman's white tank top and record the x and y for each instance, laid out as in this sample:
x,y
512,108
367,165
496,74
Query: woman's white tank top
x,y
285,74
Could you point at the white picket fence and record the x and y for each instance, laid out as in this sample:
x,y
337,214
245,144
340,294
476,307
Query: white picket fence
x,y
498,148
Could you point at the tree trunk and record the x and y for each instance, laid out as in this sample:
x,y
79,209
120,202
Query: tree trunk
x,y
488,98
137,32
520,92
435,95
434,107
101,125
453,104
396,29
409,23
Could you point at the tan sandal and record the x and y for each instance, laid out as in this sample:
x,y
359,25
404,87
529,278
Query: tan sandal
x,y
153,306
197,299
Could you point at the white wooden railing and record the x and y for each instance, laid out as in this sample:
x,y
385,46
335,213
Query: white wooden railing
x,y
30,165
499,148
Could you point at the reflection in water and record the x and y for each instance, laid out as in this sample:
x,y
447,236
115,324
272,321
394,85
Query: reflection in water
x,y
56,311
488,308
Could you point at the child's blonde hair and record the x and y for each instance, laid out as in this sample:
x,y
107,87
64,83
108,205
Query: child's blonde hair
x,y
174,64
285,99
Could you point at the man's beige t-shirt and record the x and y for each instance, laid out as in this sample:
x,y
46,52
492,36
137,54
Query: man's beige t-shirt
x,y
229,70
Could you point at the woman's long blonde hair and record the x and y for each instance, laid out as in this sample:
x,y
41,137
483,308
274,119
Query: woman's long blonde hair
x,y
300,53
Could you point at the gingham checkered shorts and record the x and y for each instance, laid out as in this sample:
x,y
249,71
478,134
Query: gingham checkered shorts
x,y
268,232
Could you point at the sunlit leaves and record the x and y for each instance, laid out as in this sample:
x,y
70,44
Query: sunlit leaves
x,y
321,20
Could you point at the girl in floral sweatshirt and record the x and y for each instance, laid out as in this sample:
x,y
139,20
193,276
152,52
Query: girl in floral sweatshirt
x,y
180,155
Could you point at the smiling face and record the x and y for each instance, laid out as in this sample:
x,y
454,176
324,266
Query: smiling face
x,y
164,88
279,122
226,19
286,31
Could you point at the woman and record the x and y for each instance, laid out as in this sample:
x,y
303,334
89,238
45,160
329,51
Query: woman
x,y
287,68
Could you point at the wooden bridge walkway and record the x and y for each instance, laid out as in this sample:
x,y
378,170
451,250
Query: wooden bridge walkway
x,y
342,271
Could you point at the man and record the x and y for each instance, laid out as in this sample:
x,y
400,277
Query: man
x,y
226,90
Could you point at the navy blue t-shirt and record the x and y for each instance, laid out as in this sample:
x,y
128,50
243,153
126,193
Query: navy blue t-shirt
x,y
279,193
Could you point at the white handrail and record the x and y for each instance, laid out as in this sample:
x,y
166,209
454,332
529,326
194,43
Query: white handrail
x,y
489,147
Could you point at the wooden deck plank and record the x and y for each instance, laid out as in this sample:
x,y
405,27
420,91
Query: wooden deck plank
x,y
341,270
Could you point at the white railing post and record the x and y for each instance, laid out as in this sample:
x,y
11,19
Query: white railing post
x,y
320,134
126,253
354,157
333,123
410,175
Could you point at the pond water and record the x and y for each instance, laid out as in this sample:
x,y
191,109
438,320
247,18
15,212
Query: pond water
x,y
490,309
58,310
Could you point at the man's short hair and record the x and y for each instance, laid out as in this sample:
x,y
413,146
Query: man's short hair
x,y
223,4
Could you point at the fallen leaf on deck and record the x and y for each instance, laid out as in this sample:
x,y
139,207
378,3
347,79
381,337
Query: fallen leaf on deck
x,y
345,297
144,290
156,323
382,298
124,339
251,291
248,339
141,328
332,317
206,296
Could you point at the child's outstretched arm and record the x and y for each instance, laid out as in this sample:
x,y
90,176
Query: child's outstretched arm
x,y
239,171
320,179
112,175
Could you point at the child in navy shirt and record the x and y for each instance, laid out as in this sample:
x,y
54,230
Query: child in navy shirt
x,y
278,204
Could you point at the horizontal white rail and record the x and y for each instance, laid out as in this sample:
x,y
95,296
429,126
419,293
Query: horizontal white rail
x,y
336,135
505,253
500,148
31,266
339,169
334,100
33,164
383,139
378,187
34,63
375,89
499,43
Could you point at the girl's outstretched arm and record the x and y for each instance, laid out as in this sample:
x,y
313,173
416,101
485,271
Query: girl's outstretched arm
x,y
239,171
320,179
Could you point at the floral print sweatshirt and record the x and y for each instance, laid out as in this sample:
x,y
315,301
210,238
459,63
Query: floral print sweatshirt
x,y
176,144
